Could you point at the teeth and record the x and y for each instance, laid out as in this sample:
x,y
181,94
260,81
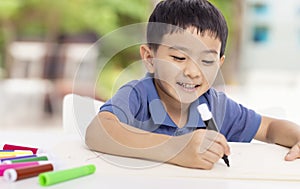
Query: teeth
x,y
185,85
188,86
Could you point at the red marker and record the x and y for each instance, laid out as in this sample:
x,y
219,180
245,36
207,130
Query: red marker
x,y
15,147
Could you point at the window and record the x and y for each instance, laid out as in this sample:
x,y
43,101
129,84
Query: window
x,y
260,8
260,34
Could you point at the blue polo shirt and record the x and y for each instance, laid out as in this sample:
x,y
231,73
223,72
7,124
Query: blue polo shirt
x,y
137,104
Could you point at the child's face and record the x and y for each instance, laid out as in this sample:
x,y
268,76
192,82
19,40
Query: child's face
x,y
185,65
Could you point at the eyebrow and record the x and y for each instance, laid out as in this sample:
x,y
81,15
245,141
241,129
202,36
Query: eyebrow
x,y
180,48
210,51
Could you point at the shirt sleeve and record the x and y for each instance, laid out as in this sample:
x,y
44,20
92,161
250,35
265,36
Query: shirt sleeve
x,y
124,104
237,123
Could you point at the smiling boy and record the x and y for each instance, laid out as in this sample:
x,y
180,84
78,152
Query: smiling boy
x,y
156,117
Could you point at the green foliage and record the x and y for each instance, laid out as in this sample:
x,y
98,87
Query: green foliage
x,y
46,19
73,16
227,8
8,8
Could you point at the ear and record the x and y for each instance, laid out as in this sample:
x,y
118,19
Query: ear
x,y
147,57
222,59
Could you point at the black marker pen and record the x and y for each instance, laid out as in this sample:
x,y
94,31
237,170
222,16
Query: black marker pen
x,y
210,123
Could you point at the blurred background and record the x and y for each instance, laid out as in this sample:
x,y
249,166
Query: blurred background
x,y
42,45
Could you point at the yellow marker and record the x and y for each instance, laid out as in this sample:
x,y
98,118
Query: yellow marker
x,y
15,153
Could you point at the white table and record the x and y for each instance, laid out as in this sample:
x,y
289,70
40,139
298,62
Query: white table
x,y
68,150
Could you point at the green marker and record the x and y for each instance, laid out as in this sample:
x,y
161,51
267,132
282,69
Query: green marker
x,y
39,158
49,178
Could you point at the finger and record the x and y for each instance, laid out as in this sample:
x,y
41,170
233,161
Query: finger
x,y
210,156
217,149
208,145
294,153
220,139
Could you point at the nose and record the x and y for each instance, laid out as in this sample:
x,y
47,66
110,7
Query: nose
x,y
192,70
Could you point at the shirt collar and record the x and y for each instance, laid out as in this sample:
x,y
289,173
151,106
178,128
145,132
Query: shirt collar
x,y
157,110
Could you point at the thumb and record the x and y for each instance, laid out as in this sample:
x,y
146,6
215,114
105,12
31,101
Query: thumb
x,y
294,153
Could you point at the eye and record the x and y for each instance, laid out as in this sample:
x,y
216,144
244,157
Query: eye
x,y
177,58
208,61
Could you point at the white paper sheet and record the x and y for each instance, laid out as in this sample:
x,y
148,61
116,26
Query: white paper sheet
x,y
247,161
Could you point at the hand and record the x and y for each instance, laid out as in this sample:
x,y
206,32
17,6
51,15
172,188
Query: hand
x,y
294,153
204,149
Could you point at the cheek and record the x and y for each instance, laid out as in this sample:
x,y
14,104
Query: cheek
x,y
166,70
210,73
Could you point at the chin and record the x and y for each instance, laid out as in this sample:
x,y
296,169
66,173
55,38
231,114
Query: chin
x,y
187,100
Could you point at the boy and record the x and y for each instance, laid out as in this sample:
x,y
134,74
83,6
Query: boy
x,y
156,117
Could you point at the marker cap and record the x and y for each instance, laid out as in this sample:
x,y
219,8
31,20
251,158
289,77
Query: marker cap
x,y
204,112
10,175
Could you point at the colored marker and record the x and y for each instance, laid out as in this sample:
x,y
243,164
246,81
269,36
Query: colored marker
x,y
19,157
4,157
39,158
26,172
49,178
3,167
210,123
16,147
11,156
15,153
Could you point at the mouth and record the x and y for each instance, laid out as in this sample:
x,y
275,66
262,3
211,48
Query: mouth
x,y
188,86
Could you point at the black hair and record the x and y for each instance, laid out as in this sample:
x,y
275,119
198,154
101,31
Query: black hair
x,y
200,14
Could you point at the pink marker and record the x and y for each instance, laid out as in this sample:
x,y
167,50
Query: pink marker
x,y
3,167
15,147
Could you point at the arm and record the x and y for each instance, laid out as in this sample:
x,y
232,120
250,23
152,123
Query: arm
x,y
106,134
282,132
